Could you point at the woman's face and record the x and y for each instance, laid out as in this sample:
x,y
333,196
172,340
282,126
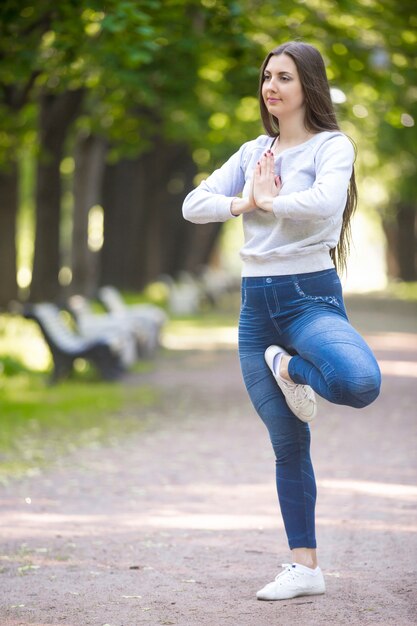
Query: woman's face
x,y
281,88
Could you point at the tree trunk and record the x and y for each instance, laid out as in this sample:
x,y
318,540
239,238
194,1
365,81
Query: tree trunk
x,y
407,241
89,158
126,210
202,245
145,234
57,111
190,246
390,232
169,234
136,223
8,214
13,98
401,236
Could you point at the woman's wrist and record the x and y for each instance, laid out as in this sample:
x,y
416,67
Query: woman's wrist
x,y
240,205
265,203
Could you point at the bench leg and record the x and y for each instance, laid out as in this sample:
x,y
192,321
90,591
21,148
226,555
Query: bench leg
x,y
62,367
108,364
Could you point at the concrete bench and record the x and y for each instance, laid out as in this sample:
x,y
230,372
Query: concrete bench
x,y
91,325
66,345
145,320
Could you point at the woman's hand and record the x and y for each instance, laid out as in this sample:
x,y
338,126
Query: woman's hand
x,y
266,186
244,205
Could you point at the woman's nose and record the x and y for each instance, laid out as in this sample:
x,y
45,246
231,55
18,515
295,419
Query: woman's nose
x,y
272,85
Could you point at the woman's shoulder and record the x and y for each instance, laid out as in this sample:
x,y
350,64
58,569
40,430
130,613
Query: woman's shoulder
x,y
262,142
333,136
333,141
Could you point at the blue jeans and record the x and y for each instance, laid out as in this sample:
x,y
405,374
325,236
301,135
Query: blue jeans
x,y
304,314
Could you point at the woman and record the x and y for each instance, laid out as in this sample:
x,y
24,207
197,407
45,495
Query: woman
x,y
298,195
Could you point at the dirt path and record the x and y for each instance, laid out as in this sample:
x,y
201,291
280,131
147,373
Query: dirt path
x,y
180,525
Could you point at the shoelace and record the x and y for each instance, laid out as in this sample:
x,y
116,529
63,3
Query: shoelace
x,y
287,568
300,394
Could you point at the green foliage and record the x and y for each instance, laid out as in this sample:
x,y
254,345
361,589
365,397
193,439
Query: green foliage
x,y
189,69
10,366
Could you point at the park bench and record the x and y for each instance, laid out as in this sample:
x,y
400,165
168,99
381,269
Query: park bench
x,y
218,283
187,292
66,345
184,293
91,325
145,320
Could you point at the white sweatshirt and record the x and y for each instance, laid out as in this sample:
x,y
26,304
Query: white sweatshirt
x,y
307,214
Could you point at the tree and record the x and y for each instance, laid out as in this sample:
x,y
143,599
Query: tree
x,y
168,88
151,237
49,53
89,159
21,31
57,112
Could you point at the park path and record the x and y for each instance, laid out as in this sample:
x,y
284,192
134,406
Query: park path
x,y
180,524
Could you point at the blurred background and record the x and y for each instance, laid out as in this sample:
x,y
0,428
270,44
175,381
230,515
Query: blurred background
x,y
110,116
110,113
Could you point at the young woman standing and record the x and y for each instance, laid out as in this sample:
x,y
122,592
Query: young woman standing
x,y
298,194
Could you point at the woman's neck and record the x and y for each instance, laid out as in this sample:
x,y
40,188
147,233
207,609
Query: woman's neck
x,y
293,136
292,132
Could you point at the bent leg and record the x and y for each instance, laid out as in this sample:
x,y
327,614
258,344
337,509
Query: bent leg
x,y
335,361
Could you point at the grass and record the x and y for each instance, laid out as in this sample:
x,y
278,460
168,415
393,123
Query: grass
x,y
40,422
403,291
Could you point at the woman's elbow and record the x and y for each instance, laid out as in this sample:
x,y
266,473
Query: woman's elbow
x,y
189,214
186,213
187,208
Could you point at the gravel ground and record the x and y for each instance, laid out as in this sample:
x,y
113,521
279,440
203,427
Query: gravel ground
x,y
180,524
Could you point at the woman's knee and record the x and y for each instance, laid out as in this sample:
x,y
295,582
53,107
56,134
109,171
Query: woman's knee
x,y
362,391
291,445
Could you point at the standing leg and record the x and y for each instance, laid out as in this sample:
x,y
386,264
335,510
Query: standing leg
x,y
290,439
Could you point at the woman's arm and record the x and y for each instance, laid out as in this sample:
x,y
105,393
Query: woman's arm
x,y
327,196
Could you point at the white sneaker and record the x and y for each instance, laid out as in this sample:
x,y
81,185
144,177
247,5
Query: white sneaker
x,y
295,580
300,398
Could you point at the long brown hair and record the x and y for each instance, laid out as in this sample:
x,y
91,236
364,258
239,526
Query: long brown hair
x,y
319,116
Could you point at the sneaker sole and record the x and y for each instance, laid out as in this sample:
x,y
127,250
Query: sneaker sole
x,y
297,595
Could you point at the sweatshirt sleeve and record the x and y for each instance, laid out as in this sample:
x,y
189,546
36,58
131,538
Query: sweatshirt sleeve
x,y
327,197
211,200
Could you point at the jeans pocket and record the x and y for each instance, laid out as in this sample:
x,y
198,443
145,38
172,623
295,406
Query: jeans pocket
x,y
322,287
